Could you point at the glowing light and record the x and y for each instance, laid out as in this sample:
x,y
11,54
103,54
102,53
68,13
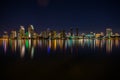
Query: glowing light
x,y
116,42
97,43
32,52
15,45
48,49
4,45
34,43
32,26
27,44
22,27
22,51
54,44
108,46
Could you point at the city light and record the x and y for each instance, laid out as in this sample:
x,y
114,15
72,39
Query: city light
x,y
52,34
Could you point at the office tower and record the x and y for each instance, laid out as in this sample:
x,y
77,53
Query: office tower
x,y
5,35
108,32
63,35
30,31
102,34
13,35
21,33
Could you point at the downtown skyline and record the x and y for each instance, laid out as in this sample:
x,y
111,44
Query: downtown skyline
x,y
71,33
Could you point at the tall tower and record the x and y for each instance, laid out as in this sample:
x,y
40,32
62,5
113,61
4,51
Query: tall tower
x,y
30,31
108,32
21,32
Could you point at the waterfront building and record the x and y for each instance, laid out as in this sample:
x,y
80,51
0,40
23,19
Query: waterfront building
x,y
108,32
117,35
102,34
13,35
97,35
30,31
21,33
5,35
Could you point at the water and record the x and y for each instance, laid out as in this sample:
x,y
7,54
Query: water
x,y
59,59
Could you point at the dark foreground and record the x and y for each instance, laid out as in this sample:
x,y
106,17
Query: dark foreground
x,y
60,68
60,59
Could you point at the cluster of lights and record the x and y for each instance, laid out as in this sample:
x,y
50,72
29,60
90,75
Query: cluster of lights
x,y
51,34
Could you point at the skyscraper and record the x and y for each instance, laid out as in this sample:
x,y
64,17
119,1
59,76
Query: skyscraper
x,y
21,33
108,32
13,35
30,31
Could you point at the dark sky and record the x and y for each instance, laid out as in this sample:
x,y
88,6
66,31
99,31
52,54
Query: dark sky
x,y
88,15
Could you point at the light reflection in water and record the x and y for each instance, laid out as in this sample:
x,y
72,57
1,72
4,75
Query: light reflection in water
x,y
13,44
29,44
5,45
109,46
61,45
32,52
49,46
97,43
22,48
117,42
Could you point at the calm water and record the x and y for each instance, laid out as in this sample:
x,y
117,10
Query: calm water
x,y
60,59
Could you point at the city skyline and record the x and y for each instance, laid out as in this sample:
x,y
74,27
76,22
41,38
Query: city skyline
x,y
40,29
72,33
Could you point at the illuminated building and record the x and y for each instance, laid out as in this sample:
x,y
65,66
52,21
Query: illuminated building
x,y
83,35
34,35
21,33
52,34
5,35
108,32
62,34
43,34
30,31
102,34
90,35
13,35
98,35
117,35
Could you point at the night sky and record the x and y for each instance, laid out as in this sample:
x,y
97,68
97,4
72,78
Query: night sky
x,y
88,15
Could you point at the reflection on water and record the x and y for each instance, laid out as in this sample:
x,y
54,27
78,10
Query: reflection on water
x,y
5,45
63,46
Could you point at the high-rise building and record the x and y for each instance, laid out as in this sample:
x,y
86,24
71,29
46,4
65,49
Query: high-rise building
x,y
13,35
108,32
30,31
102,34
5,36
21,33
